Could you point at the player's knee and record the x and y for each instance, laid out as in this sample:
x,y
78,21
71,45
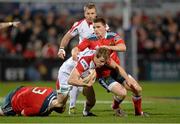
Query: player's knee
x,y
122,93
138,89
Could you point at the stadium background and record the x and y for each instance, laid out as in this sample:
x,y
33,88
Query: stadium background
x,y
151,31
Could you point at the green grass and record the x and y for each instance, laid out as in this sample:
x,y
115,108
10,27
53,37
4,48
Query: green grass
x,y
157,97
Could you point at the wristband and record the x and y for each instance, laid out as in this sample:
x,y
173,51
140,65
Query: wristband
x,y
62,49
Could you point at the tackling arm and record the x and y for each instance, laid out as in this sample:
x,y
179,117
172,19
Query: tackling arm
x,y
121,71
75,51
80,47
119,47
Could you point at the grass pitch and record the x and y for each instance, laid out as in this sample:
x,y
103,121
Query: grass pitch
x,y
160,100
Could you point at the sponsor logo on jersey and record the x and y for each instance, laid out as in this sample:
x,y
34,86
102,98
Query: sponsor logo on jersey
x,y
84,64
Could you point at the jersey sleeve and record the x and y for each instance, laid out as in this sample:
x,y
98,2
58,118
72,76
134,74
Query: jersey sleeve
x,y
118,39
83,45
74,29
82,65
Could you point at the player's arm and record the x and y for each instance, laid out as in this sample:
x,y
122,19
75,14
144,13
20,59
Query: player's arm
x,y
121,71
119,47
80,47
91,76
66,39
76,80
7,24
119,44
75,51
64,42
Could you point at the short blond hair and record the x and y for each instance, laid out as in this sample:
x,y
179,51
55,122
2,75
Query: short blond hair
x,y
89,6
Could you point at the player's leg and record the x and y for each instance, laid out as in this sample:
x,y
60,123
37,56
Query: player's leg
x,y
89,93
6,108
62,88
72,100
62,99
136,98
119,92
116,88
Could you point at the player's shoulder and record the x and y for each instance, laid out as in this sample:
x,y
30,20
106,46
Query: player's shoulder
x,y
77,23
111,34
87,57
92,37
85,61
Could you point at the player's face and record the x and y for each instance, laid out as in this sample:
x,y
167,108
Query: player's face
x,y
90,14
99,61
99,29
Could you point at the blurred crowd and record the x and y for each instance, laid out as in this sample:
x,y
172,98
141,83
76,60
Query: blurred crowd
x,y
158,35
40,32
37,35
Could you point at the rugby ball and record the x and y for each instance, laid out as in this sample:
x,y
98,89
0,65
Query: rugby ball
x,y
91,74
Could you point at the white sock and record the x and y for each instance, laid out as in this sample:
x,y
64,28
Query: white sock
x,y
73,96
85,112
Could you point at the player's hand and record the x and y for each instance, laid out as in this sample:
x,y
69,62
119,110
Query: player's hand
x,y
74,56
92,77
16,23
61,53
90,83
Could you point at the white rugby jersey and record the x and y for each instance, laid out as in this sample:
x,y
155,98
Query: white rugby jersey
x,y
82,28
69,64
